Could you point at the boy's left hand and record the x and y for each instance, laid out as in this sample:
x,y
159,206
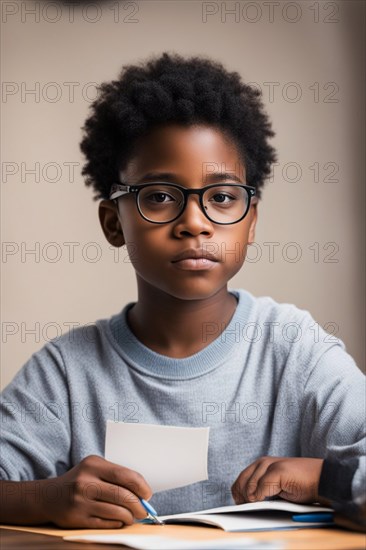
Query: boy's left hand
x,y
294,479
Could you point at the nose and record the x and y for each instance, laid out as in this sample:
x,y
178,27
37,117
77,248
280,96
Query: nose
x,y
192,220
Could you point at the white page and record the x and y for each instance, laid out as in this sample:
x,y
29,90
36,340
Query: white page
x,y
276,505
235,518
247,522
152,542
167,456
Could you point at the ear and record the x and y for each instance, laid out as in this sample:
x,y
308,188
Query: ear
x,y
108,217
253,220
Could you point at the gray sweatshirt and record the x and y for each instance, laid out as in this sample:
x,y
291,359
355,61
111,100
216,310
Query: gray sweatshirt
x,y
273,383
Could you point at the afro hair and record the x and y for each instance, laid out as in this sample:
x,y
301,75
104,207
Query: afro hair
x,y
173,89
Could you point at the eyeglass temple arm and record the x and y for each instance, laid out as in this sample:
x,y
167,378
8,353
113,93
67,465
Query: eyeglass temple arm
x,y
118,190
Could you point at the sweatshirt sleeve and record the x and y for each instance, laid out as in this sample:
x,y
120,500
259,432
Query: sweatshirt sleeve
x,y
35,425
336,481
334,409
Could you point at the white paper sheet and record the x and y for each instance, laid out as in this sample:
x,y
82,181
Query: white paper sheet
x,y
167,456
275,505
152,542
259,518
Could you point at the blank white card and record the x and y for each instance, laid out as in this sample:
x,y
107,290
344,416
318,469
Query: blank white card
x,y
167,456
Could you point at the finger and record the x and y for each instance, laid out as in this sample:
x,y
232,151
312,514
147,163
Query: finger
x,y
254,480
276,481
240,483
246,484
124,477
120,496
268,485
111,512
295,492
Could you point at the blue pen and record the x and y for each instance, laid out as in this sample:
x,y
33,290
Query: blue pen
x,y
318,517
151,512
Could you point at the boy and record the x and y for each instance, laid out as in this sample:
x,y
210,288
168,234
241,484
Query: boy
x,y
188,352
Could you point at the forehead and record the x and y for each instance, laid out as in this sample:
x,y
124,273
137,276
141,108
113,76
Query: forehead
x,y
194,148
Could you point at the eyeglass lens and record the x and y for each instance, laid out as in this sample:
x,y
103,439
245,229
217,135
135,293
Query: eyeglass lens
x,y
222,203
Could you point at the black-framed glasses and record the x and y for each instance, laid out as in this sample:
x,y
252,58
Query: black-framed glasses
x,y
159,202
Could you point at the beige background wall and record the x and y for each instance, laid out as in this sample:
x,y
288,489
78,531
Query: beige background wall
x,y
307,53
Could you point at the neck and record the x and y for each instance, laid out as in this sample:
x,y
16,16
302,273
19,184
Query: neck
x,y
179,328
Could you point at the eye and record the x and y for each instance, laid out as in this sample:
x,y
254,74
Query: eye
x,y
222,198
159,197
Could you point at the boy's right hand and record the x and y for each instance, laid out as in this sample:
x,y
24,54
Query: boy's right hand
x,y
95,494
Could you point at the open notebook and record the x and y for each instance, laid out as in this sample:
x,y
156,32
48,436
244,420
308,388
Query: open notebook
x,y
257,516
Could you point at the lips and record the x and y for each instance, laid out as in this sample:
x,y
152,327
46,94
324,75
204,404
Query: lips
x,y
195,259
196,254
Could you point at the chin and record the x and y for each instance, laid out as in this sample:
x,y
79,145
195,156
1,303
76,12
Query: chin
x,y
194,291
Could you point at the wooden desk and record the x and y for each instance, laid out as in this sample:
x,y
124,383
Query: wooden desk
x,y
306,539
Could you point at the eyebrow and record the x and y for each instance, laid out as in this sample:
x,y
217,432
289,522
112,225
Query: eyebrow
x,y
213,177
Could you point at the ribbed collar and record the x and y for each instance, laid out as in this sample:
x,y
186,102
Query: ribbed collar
x,y
138,356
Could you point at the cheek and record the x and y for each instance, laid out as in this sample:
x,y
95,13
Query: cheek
x,y
144,245
232,246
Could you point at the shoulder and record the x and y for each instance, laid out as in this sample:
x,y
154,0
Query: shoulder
x,y
289,339
83,346
290,331
83,337
264,309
